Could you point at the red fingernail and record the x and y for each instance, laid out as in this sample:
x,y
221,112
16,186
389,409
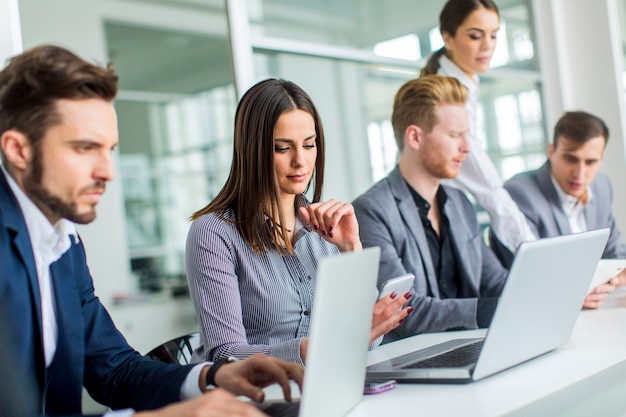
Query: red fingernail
x,y
393,295
409,309
330,235
400,322
408,295
316,227
330,229
324,233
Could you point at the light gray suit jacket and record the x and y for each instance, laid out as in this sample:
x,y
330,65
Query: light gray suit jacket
x,y
534,193
388,218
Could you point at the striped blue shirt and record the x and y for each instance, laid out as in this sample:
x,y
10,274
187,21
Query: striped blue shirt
x,y
248,302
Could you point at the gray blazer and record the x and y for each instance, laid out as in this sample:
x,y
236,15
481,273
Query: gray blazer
x,y
534,193
388,218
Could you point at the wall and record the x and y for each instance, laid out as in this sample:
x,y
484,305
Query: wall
x,y
11,34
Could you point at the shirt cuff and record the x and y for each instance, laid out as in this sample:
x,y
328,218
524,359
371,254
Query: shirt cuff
x,y
288,351
190,387
127,412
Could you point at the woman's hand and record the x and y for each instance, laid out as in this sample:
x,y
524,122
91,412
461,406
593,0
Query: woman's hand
x,y
336,222
388,314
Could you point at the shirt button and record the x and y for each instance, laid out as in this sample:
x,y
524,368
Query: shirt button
x,y
306,312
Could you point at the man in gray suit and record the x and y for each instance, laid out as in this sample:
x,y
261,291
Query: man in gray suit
x,y
428,229
568,194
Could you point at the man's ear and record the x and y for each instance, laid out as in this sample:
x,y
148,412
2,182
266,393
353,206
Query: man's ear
x,y
16,148
413,136
550,151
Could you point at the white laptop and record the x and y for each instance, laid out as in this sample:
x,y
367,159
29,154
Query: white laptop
x,y
536,313
345,293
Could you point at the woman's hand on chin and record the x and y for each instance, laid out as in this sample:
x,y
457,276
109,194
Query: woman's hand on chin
x,y
336,222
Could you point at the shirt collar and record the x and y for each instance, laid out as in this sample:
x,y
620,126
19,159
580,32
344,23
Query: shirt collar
x,y
450,69
42,233
568,202
423,206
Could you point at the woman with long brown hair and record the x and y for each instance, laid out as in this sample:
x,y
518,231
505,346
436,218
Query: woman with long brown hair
x,y
252,252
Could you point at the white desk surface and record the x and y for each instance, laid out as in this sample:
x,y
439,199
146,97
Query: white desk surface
x,y
584,377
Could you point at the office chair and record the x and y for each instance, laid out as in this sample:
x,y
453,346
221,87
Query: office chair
x,y
178,350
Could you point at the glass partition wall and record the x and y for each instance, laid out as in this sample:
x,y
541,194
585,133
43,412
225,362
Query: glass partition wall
x,y
175,109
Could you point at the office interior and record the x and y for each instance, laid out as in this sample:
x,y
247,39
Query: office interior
x,y
184,63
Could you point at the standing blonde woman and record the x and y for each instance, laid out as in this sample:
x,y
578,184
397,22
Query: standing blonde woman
x,y
252,252
469,29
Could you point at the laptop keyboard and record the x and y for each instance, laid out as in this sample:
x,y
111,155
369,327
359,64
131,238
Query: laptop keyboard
x,y
459,357
282,409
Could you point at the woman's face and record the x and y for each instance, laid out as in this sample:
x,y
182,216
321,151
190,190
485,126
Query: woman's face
x,y
295,152
472,46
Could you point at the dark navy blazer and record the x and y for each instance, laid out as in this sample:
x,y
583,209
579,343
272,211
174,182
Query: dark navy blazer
x,y
91,352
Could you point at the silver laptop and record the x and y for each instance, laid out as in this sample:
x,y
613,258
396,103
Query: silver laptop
x,y
536,313
345,293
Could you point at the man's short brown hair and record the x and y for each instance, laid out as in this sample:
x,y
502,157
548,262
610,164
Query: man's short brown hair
x,y
580,126
33,81
417,101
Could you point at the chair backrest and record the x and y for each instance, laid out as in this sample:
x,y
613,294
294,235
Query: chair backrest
x,y
178,350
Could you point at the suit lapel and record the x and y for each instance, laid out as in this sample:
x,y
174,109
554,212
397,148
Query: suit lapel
x,y
15,224
14,220
547,188
409,214
459,233
68,313
65,367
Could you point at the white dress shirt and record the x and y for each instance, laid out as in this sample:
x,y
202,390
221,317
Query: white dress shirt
x,y
573,208
479,176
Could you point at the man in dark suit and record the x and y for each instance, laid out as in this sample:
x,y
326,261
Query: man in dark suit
x,y
428,229
57,136
568,194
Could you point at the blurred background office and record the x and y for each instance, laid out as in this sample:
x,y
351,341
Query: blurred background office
x,y
184,63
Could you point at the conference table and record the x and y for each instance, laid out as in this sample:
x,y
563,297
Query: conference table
x,y
584,377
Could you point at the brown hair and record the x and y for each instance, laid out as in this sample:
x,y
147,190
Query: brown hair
x,y
452,16
580,126
32,83
416,103
251,189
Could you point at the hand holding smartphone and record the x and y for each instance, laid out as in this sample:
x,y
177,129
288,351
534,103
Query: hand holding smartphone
x,y
399,285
